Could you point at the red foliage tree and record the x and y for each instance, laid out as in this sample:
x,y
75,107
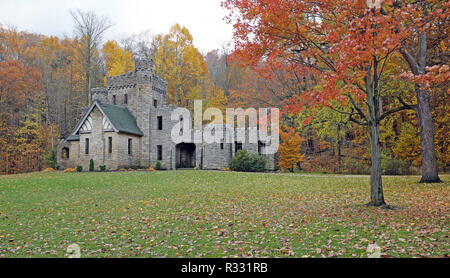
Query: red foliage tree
x,y
344,43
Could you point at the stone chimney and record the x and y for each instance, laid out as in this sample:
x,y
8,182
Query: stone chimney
x,y
99,94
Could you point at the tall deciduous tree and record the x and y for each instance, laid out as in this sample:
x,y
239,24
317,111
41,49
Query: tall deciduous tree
x,y
89,29
117,60
345,43
18,85
424,15
179,62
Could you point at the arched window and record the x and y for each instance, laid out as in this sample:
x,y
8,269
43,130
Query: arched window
x,y
65,153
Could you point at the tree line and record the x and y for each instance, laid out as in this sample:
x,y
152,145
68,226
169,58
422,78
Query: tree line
x,y
362,87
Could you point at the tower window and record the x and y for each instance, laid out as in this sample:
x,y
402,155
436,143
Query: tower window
x,y
114,99
130,141
221,146
109,144
155,103
86,146
125,100
160,123
159,152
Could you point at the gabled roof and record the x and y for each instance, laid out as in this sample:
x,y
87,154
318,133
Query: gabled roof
x,y
119,117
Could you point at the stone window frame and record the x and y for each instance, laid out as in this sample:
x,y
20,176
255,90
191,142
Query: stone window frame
x,y
238,146
159,122
261,147
159,152
110,139
65,153
86,146
130,146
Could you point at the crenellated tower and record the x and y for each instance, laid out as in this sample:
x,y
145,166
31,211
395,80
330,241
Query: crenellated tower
x,y
138,91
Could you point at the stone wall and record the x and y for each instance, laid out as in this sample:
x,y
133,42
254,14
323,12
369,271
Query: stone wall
x,y
162,137
214,157
74,150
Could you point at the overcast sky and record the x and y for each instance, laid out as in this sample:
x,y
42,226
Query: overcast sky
x,y
203,18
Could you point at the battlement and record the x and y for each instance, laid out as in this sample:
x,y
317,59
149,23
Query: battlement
x,y
159,85
143,74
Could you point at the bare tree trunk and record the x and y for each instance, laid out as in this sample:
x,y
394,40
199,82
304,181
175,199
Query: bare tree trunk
x,y
417,65
376,184
429,164
339,146
7,151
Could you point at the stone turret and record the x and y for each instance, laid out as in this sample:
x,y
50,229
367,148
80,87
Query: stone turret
x,y
143,65
100,95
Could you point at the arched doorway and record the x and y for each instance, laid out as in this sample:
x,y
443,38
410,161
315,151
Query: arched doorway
x,y
185,155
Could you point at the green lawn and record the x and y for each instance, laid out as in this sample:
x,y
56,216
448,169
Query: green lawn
x,y
218,214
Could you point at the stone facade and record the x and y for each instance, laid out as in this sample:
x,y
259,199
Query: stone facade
x,y
144,137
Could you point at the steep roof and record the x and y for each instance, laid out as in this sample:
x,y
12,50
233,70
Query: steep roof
x,y
73,137
119,117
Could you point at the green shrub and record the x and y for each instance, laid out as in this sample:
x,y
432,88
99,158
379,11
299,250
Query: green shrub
x,y
57,167
50,158
240,162
79,168
394,166
256,163
158,165
102,168
245,162
91,165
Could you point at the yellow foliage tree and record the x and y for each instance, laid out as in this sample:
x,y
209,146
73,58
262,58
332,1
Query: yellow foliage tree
x,y
407,146
117,60
179,62
290,149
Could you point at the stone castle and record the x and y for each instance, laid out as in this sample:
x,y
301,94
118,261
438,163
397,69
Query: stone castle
x,y
129,125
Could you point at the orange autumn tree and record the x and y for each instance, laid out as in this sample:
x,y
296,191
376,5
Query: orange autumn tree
x,y
19,84
344,43
289,149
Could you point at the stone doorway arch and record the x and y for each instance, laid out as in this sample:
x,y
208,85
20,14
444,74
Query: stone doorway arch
x,y
185,155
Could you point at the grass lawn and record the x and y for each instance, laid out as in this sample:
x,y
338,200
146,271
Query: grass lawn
x,y
218,214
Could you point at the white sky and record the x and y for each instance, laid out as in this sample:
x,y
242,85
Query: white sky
x,y
203,18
